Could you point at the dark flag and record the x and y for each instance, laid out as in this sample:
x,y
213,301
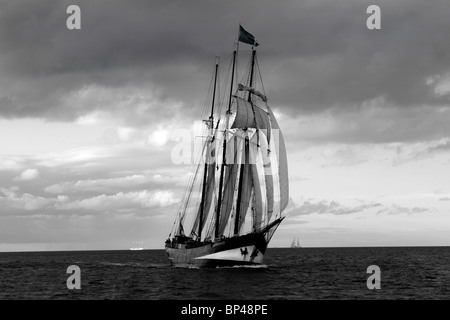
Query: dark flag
x,y
247,37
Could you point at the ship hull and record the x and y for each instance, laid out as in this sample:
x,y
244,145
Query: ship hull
x,y
248,249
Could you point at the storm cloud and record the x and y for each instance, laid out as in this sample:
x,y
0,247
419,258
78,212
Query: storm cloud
x,y
154,57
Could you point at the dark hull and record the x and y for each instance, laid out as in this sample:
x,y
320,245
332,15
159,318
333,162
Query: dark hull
x,y
248,249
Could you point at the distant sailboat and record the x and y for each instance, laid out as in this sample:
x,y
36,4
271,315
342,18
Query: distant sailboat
x,y
137,245
295,243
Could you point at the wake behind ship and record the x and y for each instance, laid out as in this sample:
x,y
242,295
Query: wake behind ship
x,y
238,188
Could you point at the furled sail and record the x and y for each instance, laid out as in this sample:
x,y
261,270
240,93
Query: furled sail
x,y
241,87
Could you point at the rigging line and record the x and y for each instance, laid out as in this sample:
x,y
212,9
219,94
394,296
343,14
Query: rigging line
x,y
219,103
224,92
195,207
244,72
191,187
190,180
223,158
207,104
181,212
253,197
260,77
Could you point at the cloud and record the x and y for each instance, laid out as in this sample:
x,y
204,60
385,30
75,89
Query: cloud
x,y
440,147
70,74
396,209
99,185
316,206
96,185
375,122
28,174
82,155
123,201
158,137
141,71
326,207
8,163
12,199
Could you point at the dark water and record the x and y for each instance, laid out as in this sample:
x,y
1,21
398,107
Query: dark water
x,y
293,274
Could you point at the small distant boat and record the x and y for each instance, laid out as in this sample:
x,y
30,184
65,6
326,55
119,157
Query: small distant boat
x,y
295,243
137,245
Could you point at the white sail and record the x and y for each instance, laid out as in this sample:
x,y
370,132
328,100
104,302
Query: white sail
x,y
245,188
258,192
231,172
250,116
268,172
280,150
208,188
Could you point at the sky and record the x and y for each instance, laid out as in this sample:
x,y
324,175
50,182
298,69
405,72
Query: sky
x,y
87,117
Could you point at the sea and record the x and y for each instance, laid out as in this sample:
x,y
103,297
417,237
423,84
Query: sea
x,y
386,273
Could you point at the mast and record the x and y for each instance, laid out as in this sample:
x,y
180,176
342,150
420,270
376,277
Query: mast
x,y
219,201
241,179
241,173
249,99
210,127
214,91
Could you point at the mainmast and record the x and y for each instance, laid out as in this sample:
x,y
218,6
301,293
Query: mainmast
x,y
246,150
249,99
219,201
210,127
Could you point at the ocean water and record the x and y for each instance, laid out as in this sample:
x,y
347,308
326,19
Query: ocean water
x,y
288,274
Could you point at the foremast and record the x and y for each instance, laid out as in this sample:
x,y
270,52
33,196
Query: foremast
x,y
224,153
208,174
244,168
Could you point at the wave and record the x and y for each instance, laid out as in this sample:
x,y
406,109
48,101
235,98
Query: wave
x,y
251,266
135,264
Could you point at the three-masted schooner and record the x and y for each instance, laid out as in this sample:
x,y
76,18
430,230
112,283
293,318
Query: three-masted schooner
x,y
242,179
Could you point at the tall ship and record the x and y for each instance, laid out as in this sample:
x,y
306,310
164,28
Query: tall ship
x,y
238,186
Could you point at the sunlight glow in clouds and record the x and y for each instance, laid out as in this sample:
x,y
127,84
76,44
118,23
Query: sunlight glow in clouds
x,y
28,174
159,137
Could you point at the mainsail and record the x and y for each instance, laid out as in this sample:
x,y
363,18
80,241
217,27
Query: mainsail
x,y
282,162
249,115
205,205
